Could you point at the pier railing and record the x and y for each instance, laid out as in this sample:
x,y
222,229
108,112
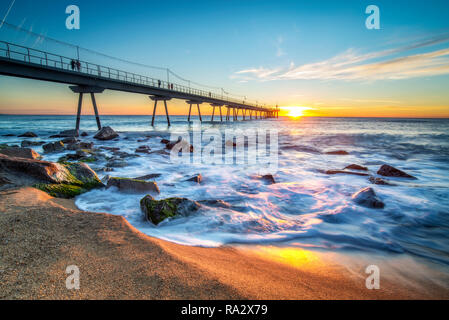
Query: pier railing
x,y
47,59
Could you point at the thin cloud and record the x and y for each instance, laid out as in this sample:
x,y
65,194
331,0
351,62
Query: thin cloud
x,y
351,65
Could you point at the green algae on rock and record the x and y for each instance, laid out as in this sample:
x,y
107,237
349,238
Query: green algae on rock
x,y
157,211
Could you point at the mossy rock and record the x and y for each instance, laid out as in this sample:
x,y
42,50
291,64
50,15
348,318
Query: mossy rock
x,y
157,211
65,191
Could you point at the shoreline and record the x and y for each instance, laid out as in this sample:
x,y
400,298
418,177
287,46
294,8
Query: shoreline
x,y
41,236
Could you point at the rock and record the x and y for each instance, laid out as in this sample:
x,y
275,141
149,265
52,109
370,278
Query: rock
x,y
67,134
215,203
158,210
73,146
379,181
143,149
69,140
53,147
165,141
106,133
26,143
84,134
116,163
107,169
389,171
45,175
4,181
8,135
112,149
338,153
149,176
161,152
87,145
26,153
346,172
133,185
368,198
196,178
180,145
268,178
356,167
28,134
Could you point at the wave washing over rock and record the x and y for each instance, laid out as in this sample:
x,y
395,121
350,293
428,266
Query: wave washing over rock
x,y
308,201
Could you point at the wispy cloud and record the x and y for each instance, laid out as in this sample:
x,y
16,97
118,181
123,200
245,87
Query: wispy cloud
x,y
352,65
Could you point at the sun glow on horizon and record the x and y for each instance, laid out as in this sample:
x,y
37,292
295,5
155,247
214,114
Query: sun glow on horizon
x,y
295,111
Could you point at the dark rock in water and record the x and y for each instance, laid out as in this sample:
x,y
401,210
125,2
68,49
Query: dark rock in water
x,y
133,185
356,167
180,145
4,181
165,141
157,211
116,163
107,169
28,134
268,178
26,143
9,135
346,172
338,153
379,181
196,178
389,171
149,176
84,134
87,145
112,149
69,140
26,153
215,203
53,147
368,198
161,152
143,149
106,133
67,134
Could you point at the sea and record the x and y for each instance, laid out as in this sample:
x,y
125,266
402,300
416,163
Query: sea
x,y
305,207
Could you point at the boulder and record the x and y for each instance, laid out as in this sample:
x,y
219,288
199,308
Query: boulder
x,y
28,134
346,172
143,149
84,134
106,133
356,167
196,178
368,198
149,176
165,141
133,185
180,146
157,211
53,147
22,171
69,140
26,153
338,153
116,163
66,134
268,178
379,181
389,171
215,203
27,144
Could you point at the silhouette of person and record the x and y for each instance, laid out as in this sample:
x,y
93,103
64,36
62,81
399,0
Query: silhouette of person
x,y
159,83
72,64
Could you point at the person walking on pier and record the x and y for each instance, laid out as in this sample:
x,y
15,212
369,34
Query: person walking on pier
x,y
78,65
72,64
159,83
171,86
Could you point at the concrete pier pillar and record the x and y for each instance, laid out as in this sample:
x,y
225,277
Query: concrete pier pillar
x,y
81,90
156,99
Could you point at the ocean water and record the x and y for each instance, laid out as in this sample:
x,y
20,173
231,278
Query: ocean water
x,y
305,208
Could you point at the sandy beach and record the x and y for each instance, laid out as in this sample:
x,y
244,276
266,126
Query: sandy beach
x,y
40,236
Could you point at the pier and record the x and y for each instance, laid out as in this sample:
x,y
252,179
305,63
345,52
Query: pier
x,y
89,78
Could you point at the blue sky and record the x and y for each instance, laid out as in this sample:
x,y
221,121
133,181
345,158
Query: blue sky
x,y
305,53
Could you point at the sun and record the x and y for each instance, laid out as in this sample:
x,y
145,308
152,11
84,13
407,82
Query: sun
x,y
295,112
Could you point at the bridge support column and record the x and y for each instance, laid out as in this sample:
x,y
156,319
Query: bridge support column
x,y
215,105
198,107
156,99
81,90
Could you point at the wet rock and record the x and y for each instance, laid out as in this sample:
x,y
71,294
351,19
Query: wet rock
x,y
87,145
124,155
28,134
338,153
215,203
9,135
149,176
53,147
389,171
69,140
143,149
112,149
4,181
161,152
196,178
133,185
165,141
346,172
117,163
26,143
157,211
106,133
26,153
368,198
379,181
180,146
67,134
268,179
107,169
84,134
356,167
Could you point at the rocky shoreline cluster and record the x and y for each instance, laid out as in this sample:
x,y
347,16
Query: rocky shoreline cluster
x,y
72,176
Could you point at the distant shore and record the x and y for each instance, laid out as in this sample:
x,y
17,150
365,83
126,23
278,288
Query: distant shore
x,y
42,235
